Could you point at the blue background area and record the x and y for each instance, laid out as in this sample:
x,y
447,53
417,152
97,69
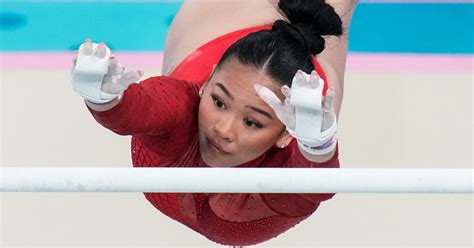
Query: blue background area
x,y
376,27
413,28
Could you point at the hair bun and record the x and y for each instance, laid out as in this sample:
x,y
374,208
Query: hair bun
x,y
314,43
310,19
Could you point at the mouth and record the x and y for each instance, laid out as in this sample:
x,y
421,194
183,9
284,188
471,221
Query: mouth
x,y
215,147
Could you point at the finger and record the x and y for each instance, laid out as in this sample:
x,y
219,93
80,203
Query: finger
x,y
332,78
286,91
87,48
268,97
299,79
328,103
314,80
101,50
115,67
130,78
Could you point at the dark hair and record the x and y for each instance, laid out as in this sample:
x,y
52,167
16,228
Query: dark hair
x,y
288,46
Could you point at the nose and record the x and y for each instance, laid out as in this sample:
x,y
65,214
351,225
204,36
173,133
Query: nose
x,y
225,130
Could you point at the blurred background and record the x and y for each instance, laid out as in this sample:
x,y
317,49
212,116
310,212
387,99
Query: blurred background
x,y
407,104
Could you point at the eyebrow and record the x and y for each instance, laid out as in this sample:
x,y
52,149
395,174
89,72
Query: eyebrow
x,y
260,111
223,88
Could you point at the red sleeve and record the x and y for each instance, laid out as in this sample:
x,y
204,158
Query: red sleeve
x,y
157,109
298,205
151,107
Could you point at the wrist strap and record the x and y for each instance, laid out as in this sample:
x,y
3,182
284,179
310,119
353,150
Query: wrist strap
x,y
323,149
318,146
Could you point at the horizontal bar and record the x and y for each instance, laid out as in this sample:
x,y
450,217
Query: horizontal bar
x,y
235,180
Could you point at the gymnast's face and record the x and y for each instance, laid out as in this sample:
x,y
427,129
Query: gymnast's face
x,y
235,125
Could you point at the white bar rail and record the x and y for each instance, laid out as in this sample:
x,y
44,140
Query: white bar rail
x,y
235,180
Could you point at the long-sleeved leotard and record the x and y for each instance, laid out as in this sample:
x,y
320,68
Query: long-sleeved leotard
x,y
160,114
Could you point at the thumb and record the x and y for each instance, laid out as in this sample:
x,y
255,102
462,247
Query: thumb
x,y
328,103
130,78
268,97
283,111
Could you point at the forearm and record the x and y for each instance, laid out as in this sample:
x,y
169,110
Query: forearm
x,y
140,110
128,115
335,52
333,61
149,108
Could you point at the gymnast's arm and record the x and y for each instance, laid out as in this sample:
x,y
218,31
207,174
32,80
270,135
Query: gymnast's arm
x,y
149,107
333,62
120,104
335,53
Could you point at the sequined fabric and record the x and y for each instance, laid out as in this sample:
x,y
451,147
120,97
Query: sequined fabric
x,y
160,114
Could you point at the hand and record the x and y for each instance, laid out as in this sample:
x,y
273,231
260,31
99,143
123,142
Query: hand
x,y
100,78
308,116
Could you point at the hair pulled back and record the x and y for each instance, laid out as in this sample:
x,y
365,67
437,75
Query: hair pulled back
x,y
288,46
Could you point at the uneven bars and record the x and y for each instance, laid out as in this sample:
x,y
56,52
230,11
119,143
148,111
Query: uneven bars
x,y
235,180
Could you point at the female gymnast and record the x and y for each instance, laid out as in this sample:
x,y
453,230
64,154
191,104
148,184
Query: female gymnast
x,y
241,87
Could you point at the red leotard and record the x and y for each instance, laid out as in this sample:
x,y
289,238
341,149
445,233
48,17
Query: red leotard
x,y
161,115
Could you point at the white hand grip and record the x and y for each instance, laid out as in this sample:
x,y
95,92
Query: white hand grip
x,y
88,74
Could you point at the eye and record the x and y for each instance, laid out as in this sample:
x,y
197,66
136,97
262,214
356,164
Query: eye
x,y
251,123
218,103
